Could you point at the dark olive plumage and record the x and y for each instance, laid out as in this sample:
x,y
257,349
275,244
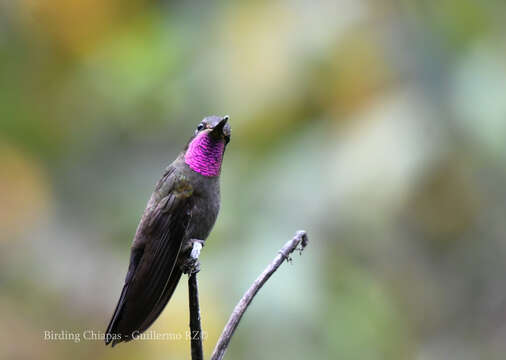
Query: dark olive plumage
x,y
183,206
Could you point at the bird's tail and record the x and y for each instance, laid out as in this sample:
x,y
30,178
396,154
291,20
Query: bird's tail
x,y
122,331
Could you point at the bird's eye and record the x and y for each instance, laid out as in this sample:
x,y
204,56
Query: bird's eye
x,y
199,128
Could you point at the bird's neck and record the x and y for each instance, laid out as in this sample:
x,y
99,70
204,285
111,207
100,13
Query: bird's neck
x,y
204,155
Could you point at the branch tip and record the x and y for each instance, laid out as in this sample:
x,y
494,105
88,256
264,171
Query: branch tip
x,y
298,242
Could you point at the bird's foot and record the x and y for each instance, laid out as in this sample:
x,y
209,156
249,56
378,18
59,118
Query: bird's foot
x,y
192,264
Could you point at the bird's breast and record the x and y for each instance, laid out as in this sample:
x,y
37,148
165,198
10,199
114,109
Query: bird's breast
x,y
206,205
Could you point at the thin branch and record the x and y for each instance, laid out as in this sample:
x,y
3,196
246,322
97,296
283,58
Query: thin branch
x,y
193,301
195,327
284,254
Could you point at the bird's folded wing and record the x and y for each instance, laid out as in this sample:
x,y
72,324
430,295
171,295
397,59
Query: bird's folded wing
x,y
149,276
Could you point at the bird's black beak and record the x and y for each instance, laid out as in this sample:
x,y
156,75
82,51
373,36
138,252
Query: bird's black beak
x,y
221,130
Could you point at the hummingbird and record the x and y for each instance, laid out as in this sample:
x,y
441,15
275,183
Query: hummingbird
x,y
179,214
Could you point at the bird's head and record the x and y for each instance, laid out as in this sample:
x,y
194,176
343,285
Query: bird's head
x,y
215,127
204,153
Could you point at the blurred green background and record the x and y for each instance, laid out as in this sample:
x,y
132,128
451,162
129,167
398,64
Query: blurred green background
x,y
377,126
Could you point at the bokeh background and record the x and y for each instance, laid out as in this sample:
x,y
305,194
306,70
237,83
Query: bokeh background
x,y
377,126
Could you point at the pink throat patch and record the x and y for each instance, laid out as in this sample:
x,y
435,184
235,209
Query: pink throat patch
x,y
204,155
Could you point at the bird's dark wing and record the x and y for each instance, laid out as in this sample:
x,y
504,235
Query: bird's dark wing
x,y
153,275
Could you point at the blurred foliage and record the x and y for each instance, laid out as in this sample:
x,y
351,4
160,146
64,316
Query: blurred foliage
x,y
379,127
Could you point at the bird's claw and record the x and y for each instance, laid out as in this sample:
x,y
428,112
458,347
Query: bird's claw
x,y
192,264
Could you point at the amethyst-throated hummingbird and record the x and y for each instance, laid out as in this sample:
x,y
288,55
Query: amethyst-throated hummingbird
x,y
181,211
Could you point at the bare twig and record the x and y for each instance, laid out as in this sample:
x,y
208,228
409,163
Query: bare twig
x,y
195,327
193,296
284,254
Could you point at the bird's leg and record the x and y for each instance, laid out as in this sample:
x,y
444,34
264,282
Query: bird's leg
x,y
191,264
